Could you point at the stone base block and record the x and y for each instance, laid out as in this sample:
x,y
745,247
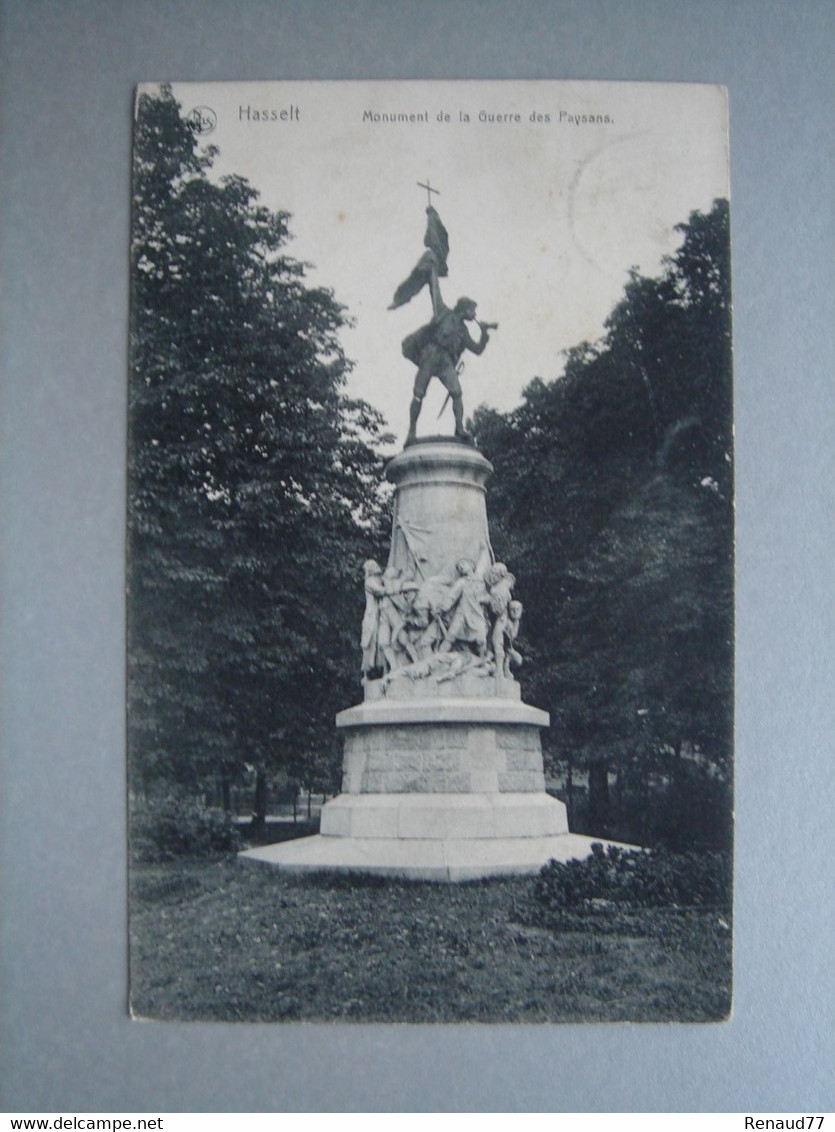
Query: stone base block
x,y
423,859
440,686
491,709
439,817
443,758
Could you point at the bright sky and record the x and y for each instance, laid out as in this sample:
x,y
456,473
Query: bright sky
x,y
544,218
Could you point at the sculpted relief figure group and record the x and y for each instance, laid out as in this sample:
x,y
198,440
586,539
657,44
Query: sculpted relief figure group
x,y
439,628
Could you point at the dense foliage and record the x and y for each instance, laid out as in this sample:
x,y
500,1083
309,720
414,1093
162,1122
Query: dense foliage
x,y
164,829
636,879
612,502
252,482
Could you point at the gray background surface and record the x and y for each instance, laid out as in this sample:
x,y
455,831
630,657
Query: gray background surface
x,y
68,69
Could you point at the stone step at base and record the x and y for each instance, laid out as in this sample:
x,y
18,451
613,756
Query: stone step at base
x,y
423,859
436,817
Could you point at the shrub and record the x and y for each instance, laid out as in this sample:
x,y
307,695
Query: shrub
x,y
636,878
164,829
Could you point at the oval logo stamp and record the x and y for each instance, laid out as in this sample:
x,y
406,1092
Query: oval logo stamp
x,y
203,119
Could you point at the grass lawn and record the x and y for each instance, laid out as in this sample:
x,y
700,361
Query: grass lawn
x,y
230,940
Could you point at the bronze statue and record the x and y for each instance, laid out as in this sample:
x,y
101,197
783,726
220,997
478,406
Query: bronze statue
x,y
436,348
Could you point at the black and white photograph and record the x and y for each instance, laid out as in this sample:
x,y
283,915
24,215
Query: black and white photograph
x,y
330,784
430,553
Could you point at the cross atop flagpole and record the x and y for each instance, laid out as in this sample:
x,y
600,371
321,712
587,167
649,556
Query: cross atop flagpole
x,y
429,191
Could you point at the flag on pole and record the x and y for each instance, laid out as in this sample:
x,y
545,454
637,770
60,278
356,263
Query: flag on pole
x,y
436,241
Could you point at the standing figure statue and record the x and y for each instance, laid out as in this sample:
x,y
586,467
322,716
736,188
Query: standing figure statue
x,y
467,598
500,583
392,639
512,656
370,636
383,639
436,348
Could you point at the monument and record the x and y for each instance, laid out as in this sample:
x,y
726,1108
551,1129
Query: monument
x,y
442,772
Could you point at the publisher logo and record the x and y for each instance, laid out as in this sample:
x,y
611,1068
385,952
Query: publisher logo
x,y
202,119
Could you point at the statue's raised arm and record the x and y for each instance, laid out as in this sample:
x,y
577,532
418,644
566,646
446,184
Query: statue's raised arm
x,y
436,242
439,307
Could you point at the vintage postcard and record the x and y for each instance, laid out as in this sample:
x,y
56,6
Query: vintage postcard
x,y
430,526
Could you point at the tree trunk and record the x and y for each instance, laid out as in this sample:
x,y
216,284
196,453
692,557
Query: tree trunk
x,y
569,792
643,794
226,794
259,808
599,798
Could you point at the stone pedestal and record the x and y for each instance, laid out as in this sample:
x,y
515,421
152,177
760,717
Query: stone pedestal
x,y
440,510
442,772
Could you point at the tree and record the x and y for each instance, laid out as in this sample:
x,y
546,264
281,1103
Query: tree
x,y
252,478
612,501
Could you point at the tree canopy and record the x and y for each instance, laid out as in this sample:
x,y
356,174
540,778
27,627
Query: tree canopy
x,y
612,501
252,479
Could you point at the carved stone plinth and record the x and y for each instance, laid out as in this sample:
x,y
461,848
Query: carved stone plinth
x,y
442,771
442,758
440,509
